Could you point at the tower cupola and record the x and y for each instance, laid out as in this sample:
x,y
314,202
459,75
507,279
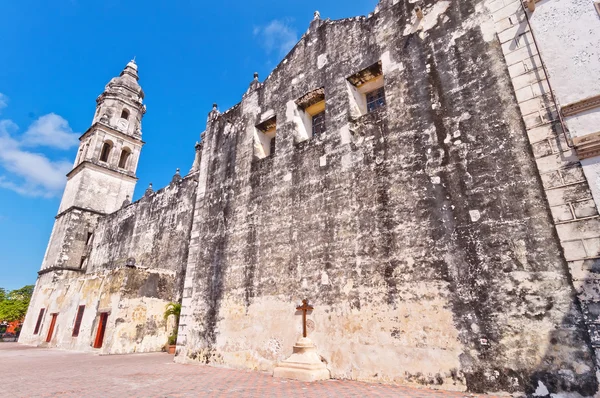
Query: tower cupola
x,y
121,106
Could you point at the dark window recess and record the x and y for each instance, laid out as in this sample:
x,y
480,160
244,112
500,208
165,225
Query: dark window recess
x,y
39,321
272,147
318,123
105,152
125,114
81,262
51,328
375,99
123,159
89,238
78,319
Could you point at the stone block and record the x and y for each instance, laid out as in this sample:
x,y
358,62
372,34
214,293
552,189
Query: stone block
x,y
557,161
513,32
515,55
541,149
568,194
561,213
583,229
592,247
540,133
551,180
585,208
507,11
572,174
574,250
525,66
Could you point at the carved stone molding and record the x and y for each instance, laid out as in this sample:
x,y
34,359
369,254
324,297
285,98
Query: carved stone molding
x,y
587,146
581,106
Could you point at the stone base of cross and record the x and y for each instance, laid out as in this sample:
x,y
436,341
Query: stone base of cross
x,y
304,364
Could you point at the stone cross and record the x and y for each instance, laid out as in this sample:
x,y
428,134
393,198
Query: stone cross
x,y
305,307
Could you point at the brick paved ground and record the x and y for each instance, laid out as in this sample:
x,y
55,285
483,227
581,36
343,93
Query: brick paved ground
x,y
34,372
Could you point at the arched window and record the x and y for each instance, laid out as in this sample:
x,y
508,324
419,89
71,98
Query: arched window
x,y
106,148
125,114
124,156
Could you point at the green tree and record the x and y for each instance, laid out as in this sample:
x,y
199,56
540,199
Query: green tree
x,y
13,306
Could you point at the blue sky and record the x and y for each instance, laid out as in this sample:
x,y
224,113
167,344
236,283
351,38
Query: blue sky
x,y
56,56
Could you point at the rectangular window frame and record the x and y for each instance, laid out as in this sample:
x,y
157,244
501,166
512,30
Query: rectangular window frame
x,y
78,319
366,90
310,117
265,138
319,127
375,99
38,324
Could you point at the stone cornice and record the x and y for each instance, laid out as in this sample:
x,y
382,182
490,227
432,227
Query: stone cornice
x,y
581,106
57,268
134,104
62,213
587,146
87,163
112,130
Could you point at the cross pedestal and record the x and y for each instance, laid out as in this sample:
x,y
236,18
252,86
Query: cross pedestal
x,y
304,364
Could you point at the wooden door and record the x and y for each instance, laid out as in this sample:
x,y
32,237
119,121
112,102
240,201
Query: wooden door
x,y
51,330
101,329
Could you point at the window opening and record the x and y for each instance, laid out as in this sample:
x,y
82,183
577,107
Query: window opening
x,y
78,319
39,321
123,159
106,148
272,147
318,123
265,138
125,114
312,114
375,99
88,238
367,92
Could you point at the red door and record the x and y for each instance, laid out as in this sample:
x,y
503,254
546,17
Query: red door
x,y
51,330
101,329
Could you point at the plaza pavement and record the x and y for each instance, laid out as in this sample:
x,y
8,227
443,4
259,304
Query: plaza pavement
x,y
39,372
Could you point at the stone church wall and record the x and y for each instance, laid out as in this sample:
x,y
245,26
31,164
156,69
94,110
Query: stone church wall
x,y
420,232
155,231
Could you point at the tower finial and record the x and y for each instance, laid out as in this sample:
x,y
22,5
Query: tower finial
x,y
317,15
256,76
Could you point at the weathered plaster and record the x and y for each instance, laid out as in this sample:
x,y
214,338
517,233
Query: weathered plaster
x,y
420,233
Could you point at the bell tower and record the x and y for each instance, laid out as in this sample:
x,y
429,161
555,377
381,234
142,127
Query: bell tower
x,y
103,176
104,172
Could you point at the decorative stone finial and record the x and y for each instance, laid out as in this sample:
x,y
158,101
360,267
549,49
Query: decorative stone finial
x,y
149,190
214,106
256,76
126,202
197,158
177,177
317,15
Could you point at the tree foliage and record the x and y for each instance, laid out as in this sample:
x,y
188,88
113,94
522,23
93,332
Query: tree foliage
x,y
14,304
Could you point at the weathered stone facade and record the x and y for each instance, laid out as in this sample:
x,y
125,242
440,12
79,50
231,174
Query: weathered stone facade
x,y
408,172
124,260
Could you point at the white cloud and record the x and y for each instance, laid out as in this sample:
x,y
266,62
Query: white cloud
x,y
51,130
29,173
3,101
277,36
